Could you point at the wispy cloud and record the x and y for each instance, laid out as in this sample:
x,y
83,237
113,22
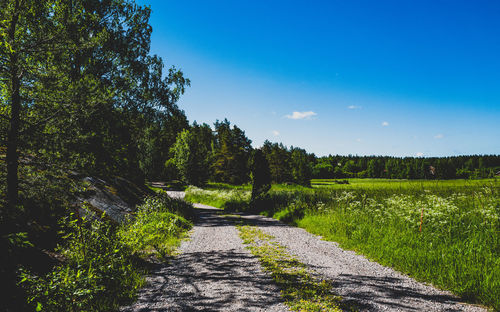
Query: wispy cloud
x,y
439,136
276,133
353,107
301,115
358,140
420,154
385,124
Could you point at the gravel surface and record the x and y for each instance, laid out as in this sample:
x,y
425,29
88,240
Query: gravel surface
x,y
214,272
368,285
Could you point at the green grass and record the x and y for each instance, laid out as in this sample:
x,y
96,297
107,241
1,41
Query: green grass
x,y
456,245
223,196
301,291
396,184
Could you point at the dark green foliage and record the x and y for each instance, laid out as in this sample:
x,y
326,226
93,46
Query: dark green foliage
x,y
288,165
190,156
261,181
79,95
464,167
261,177
98,273
278,158
301,167
232,154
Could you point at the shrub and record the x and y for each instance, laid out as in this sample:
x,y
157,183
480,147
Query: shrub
x,y
98,272
157,227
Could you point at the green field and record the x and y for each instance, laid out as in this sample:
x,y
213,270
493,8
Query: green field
x,y
443,232
399,184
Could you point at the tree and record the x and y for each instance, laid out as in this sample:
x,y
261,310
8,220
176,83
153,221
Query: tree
x,y
232,154
301,168
261,176
190,157
278,157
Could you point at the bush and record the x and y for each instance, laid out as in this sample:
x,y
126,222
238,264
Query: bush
x,y
157,227
98,273
161,202
100,270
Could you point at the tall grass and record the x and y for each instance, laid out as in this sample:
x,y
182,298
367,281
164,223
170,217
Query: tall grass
x,y
455,245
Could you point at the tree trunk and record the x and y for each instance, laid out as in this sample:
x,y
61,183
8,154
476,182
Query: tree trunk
x,y
13,131
12,142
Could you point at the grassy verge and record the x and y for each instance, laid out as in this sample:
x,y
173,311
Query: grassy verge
x,y
301,291
158,226
101,265
231,199
452,242
445,233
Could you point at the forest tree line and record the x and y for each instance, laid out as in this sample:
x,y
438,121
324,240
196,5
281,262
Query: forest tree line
x,y
224,154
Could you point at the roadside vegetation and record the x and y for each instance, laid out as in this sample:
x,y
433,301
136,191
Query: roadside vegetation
x,y
103,264
442,232
300,290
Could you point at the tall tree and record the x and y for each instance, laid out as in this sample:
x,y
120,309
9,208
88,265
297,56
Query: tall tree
x,y
190,156
31,38
232,153
261,176
301,167
78,84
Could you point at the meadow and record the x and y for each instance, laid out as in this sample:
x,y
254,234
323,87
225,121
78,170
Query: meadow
x,y
444,232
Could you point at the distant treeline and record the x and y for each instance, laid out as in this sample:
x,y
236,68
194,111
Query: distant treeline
x,y
225,155
281,164
455,167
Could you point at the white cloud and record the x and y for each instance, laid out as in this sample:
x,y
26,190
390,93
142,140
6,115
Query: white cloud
x,y
420,154
385,124
301,115
276,133
353,107
358,140
438,136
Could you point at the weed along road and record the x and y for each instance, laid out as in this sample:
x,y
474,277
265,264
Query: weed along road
x,y
215,272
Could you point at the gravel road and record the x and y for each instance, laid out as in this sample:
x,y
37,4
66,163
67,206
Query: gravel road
x,y
368,285
214,272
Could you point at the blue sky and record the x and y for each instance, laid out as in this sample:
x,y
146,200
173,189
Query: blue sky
x,y
401,78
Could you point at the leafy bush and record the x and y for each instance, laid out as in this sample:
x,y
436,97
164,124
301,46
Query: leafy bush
x,y
161,202
98,272
155,229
